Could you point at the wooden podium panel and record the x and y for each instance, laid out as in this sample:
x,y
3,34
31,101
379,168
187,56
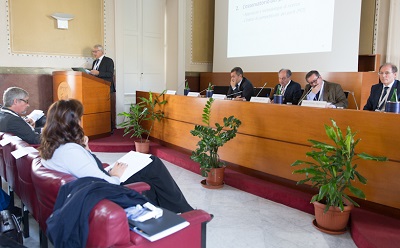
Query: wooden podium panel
x,y
273,136
93,92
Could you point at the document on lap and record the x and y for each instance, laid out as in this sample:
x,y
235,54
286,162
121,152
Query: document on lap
x,y
135,161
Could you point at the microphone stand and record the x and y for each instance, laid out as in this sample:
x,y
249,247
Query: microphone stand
x,y
354,98
305,96
261,89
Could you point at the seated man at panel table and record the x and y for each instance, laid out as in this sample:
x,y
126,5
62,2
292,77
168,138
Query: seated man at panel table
x,y
321,90
290,90
240,87
383,91
15,104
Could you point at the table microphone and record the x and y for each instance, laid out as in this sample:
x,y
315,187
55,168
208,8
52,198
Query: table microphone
x,y
261,89
205,89
305,95
354,98
234,93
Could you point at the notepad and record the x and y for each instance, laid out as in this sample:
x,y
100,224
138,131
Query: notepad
x,y
135,160
155,229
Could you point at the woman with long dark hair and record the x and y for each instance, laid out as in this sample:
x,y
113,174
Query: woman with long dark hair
x,y
64,148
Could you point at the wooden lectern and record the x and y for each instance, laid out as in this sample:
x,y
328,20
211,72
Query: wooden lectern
x,y
93,92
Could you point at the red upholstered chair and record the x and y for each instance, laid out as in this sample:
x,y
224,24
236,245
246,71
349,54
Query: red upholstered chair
x,y
10,166
27,192
108,225
2,164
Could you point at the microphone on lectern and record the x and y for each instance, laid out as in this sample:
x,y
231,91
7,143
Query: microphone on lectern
x,y
305,95
261,89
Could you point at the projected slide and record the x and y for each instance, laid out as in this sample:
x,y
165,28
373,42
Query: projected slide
x,y
273,27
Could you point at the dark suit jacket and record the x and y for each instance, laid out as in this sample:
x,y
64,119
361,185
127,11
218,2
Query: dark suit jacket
x,y
376,90
246,88
333,93
292,93
106,71
16,125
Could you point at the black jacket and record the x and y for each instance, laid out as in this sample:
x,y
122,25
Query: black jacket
x,y
11,122
106,71
292,93
68,225
246,90
376,90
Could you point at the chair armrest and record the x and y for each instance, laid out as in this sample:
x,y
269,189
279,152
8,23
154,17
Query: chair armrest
x,y
138,187
190,236
108,225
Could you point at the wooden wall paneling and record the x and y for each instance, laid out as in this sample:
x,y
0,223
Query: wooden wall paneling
x,y
274,136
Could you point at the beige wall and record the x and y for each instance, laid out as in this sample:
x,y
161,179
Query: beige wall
x,y
30,39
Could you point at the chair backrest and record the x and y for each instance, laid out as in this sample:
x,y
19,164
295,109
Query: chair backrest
x,y
220,89
27,190
47,183
262,92
10,164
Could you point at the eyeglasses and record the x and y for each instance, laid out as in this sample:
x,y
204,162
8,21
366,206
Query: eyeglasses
x,y
25,101
314,81
95,51
386,73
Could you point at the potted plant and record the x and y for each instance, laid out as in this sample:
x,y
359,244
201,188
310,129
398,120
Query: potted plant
x,y
209,91
333,173
147,110
206,153
186,90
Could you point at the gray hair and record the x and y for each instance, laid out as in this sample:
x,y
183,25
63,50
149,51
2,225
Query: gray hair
x,y
13,93
99,47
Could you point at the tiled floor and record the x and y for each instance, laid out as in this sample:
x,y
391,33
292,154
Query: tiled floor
x,y
241,219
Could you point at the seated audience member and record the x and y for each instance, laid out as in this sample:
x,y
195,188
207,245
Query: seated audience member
x,y
383,91
15,104
321,90
290,90
64,148
240,87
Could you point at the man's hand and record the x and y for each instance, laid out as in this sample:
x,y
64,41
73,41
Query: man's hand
x,y
233,84
30,121
316,89
94,72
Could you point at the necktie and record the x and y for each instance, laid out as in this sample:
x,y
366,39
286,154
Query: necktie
x,y
96,64
383,97
316,98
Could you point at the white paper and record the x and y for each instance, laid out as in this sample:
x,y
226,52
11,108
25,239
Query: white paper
x,y
135,160
219,96
260,99
170,92
7,140
19,153
193,94
36,114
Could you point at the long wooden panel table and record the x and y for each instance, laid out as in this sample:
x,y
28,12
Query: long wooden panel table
x,y
273,136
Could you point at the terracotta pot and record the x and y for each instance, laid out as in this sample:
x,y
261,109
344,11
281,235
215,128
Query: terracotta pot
x,y
143,147
215,177
333,219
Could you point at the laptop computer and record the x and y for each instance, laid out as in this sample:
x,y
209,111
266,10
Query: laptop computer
x,y
81,69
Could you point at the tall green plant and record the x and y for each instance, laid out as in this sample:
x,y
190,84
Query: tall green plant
x,y
206,153
333,170
146,110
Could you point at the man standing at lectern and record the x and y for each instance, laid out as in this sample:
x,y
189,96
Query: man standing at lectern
x,y
103,67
